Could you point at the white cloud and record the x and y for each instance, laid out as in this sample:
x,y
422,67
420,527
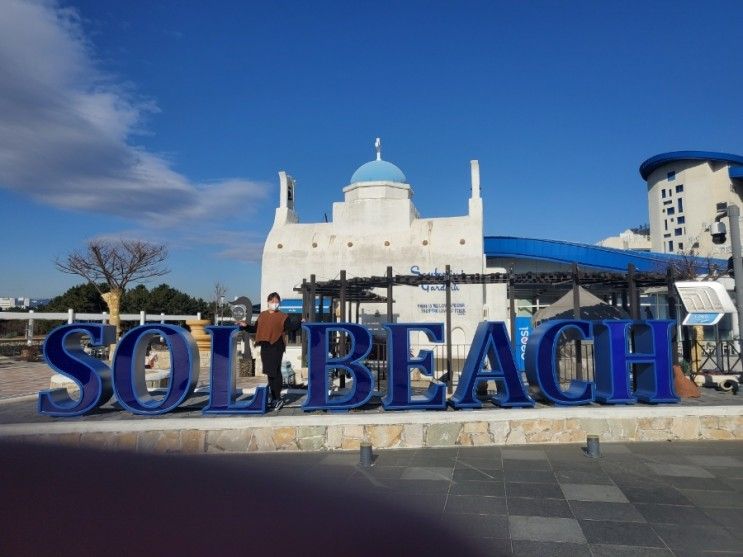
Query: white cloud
x,y
231,244
240,245
66,130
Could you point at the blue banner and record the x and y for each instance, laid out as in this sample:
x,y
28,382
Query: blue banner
x,y
521,337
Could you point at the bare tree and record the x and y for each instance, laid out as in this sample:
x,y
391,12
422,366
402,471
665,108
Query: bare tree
x,y
219,292
690,265
115,263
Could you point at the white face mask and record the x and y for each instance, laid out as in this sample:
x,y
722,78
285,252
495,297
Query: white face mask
x,y
273,306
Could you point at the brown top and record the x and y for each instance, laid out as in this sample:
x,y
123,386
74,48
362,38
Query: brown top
x,y
270,326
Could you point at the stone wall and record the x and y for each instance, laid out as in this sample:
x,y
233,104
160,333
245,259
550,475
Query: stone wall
x,y
391,430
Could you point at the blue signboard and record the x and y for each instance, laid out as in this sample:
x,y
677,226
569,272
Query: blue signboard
x,y
294,305
710,318
521,337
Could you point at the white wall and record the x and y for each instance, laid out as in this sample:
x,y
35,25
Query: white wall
x,y
626,240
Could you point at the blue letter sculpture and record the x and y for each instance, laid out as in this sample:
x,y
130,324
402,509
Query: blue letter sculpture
x,y
650,361
320,363
491,342
400,364
64,353
222,382
129,372
612,376
541,364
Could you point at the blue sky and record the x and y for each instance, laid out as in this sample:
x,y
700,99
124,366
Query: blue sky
x,y
168,121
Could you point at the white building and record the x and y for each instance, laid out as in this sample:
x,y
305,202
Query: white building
x,y
685,190
8,302
630,239
377,225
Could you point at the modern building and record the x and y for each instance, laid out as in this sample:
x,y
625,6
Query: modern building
x,y
685,191
9,302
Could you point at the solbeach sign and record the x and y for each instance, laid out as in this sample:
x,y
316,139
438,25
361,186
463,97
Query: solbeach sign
x,y
649,362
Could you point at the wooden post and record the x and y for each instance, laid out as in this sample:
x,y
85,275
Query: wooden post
x,y
634,295
511,306
312,293
390,315
341,338
343,297
576,315
305,316
672,313
634,309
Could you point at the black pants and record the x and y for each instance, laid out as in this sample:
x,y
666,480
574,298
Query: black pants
x,y
271,355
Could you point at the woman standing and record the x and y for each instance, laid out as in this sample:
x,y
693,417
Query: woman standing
x,y
270,334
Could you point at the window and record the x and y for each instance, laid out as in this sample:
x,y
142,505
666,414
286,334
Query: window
x,y
670,245
681,246
670,211
680,205
681,220
668,202
667,235
680,188
677,232
721,206
671,175
663,193
665,225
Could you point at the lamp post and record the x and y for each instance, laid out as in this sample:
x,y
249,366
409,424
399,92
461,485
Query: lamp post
x,y
733,214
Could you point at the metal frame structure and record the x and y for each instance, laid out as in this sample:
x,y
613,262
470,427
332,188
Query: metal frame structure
x,y
358,290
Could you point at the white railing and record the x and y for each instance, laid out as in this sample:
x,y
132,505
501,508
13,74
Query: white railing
x,y
71,317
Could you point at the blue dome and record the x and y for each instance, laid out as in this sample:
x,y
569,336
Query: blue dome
x,y
378,171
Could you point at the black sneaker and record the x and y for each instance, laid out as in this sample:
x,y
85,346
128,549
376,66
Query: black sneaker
x,y
279,404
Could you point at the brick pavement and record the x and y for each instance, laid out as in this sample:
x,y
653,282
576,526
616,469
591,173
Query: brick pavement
x,y
22,378
646,499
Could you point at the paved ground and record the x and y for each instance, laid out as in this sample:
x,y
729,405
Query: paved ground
x,y
681,498
19,378
22,378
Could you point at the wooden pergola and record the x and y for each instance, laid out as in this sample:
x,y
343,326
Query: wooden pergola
x,y
358,290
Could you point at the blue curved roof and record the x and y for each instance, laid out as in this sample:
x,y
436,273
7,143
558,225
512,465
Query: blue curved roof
x,y
736,172
378,171
586,255
653,163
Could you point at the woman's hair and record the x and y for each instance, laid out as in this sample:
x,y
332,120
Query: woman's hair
x,y
273,295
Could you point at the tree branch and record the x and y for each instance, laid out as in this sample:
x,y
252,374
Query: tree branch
x,y
117,263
